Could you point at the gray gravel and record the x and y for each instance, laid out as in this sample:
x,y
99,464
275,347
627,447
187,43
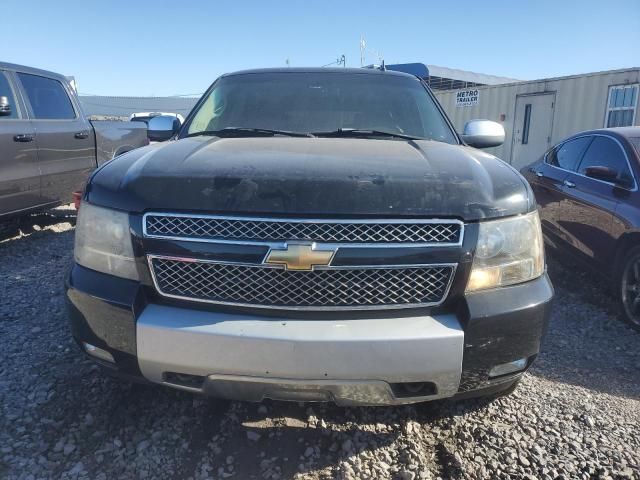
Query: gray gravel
x,y
576,415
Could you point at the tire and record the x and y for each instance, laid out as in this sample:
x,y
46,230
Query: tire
x,y
628,287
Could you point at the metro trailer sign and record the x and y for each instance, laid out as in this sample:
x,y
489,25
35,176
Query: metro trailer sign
x,y
467,98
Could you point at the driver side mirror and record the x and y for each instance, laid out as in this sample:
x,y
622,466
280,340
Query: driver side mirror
x,y
483,134
5,107
162,127
606,174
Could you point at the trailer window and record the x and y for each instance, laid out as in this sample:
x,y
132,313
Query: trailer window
x,y
527,124
621,106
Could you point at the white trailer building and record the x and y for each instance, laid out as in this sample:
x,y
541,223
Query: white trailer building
x,y
537,114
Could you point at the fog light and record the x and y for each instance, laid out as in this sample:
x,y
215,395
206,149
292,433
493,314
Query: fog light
x,y
98,352
506,368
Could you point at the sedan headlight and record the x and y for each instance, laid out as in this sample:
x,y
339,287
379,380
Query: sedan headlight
x,y
103,241
509,251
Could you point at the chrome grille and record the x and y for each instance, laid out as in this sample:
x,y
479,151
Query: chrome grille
x,y
332,288
439,232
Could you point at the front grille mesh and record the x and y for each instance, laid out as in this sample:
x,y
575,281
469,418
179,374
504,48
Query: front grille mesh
x,y
275,287
221,228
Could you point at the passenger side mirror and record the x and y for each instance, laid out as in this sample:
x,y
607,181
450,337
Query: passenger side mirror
x,y
162,127
5,107
483,134
606,174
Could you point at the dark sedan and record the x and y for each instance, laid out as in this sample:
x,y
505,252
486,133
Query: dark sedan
x,y
589,203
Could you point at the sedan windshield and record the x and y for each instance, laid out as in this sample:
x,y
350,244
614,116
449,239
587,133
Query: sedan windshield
x,y
323,104
635,141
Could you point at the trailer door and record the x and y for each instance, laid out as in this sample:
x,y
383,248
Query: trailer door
x,y
532,128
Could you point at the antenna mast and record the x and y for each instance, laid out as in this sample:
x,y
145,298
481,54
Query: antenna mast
x,y
363,52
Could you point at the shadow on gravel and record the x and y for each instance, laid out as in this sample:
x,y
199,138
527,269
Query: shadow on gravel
x,y
126,422
587,344
22,227
289,432
347,431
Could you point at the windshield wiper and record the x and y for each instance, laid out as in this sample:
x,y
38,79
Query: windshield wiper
x,y
247,132
363,132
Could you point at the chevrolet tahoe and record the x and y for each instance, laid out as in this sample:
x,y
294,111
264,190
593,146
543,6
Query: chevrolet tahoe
x,y
313,235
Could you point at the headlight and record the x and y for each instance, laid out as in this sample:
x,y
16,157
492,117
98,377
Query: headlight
x,y
103,241
509,251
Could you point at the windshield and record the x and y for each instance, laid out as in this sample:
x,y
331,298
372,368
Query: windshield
x,y
635,141
321,102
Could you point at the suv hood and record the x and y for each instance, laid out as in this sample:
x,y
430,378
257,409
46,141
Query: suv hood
x,y
312,176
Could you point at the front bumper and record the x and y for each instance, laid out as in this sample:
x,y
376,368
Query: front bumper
x,y
381,359
349,362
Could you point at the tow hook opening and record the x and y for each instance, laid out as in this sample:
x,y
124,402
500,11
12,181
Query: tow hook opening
x,y
413,389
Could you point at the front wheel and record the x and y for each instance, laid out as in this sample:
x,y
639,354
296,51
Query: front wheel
x,y
629,288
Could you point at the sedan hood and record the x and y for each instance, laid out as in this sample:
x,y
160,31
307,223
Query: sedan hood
x,y
312,177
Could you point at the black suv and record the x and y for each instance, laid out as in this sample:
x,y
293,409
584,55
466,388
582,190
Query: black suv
x,y
313,235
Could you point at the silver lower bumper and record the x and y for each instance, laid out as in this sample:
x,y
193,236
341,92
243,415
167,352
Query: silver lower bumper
x,y
351,362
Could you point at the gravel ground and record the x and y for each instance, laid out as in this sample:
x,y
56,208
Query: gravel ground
x,y
576,415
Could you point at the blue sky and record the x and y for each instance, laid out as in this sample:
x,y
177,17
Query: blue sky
x,y
164,47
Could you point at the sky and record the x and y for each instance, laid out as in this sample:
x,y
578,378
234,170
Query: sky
x,y
160,47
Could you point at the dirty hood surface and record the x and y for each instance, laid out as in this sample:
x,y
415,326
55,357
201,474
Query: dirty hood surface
x,y
312,177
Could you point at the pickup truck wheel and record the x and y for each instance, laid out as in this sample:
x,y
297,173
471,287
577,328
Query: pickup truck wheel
x,y
629,287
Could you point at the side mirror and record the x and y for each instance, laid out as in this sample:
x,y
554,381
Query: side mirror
x,y
483,134
5,107
162,127
602,173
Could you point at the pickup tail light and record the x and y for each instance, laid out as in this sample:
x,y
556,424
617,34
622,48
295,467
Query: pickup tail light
x,y
77,198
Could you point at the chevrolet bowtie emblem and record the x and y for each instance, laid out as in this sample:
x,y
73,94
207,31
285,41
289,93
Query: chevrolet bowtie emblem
x,y
301,256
